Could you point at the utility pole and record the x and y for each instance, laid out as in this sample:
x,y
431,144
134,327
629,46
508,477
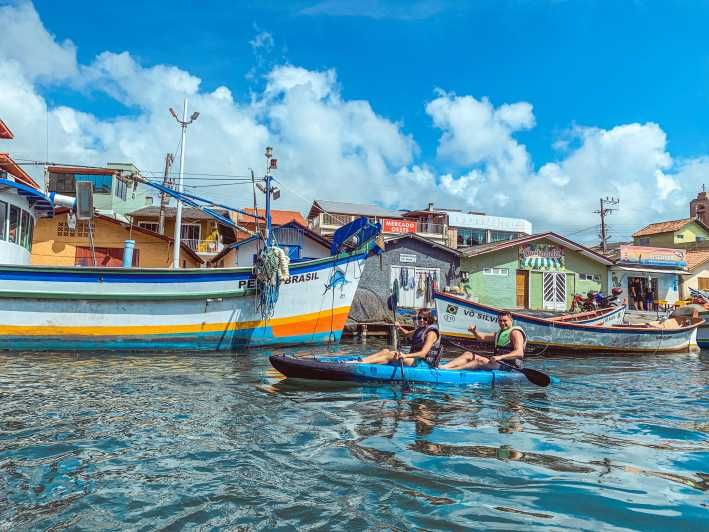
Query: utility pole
x,y
178,215
605,211
164,198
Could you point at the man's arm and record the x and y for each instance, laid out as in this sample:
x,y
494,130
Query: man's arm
x,y
483,337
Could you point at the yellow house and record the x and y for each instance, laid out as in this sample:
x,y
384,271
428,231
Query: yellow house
x,y
698,266
672,233
55,243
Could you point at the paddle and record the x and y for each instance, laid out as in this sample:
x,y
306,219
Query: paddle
x,y
394,303
533,376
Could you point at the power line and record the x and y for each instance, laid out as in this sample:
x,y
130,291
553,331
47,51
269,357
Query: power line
x,y
603,212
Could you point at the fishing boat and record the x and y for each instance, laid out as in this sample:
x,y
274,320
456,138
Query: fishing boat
x,y
544,335
98,308
347,368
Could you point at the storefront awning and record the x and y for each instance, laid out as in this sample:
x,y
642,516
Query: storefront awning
x,y
650,270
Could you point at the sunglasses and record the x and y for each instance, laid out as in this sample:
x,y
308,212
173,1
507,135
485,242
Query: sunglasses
x,y
420,318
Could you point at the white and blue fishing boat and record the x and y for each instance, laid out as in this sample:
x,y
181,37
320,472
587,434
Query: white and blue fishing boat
x,y
97,308
544,335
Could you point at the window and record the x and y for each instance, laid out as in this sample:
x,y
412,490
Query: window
x,y
61,183
644,241
504,272
25,222
703,283
3,220
680,237
14,234
150,226
101,183
148,200
500,236
121,189
471,237
589,277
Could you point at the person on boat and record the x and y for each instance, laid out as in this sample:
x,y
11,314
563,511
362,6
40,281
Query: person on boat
x,y
508,346
425,344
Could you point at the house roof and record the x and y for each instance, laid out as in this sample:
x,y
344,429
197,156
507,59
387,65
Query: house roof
x,y
11,167
358,209
278,217
414,236
696,258
667,227
5,132
82,170
482,249
306,232
184,247
153,211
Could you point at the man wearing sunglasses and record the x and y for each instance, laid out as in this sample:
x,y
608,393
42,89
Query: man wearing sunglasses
x,y
425,344
508,346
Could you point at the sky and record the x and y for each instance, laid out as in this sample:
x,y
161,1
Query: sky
x,y
532,109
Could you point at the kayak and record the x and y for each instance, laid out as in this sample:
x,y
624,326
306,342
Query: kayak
x,y
346,368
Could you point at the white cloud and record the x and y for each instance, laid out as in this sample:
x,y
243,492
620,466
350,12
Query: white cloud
x,y
333,148
377,9
262,40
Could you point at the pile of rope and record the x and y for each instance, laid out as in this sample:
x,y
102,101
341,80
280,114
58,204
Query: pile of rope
x,y
270,267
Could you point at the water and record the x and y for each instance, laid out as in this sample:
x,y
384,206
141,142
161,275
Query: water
x,y
216,441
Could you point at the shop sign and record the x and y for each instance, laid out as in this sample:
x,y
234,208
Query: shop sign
x,y
391,225
405,257
541,257
650,256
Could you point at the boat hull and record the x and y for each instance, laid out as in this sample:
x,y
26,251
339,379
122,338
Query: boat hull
x,y
336,369
544,335
71,309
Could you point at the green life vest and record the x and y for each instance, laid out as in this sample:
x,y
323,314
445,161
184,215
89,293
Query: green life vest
x,y
503,341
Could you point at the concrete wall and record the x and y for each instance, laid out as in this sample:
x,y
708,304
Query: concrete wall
x,y
376,276
51,249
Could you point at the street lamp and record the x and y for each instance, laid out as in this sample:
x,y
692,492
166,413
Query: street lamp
x,y
178,214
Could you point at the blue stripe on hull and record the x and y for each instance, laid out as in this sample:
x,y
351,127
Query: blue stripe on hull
x,y
704,344
211,341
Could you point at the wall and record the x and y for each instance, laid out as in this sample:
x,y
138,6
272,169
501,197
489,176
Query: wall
x,y
688,233
496,290
692,281
376,275
51,249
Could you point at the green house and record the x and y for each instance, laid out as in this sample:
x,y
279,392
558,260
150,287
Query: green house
x,y
540,272
671,233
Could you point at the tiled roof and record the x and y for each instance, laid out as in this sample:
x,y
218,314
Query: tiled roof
x,y
187,212
357,209
696,257
277,217
663,227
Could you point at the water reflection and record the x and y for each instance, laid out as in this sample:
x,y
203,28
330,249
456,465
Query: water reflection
x,y
222,441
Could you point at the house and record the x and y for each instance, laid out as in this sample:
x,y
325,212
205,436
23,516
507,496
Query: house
x,y
671,233
299,243
115,193
540,272
418,264
698,268
252,225
326,217
466,229
59,242
199,231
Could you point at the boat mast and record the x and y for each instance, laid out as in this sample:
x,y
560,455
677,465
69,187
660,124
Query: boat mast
x,y
270,163
178,214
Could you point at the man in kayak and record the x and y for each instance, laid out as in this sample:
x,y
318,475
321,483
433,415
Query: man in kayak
x,y
508,346
425,345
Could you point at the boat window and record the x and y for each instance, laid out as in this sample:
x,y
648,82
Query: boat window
x,y
30,234
3,220
14,225
24,229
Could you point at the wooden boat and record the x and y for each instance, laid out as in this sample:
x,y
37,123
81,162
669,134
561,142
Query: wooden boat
x,y
456,314
49,308
339,369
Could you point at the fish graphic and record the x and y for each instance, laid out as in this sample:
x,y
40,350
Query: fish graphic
x,y
337,279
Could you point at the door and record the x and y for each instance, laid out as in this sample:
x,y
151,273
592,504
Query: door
x,y
554,291
522,285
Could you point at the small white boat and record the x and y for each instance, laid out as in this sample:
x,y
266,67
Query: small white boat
x,y
456,314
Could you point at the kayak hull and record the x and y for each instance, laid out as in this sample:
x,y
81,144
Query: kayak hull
x,y
340,369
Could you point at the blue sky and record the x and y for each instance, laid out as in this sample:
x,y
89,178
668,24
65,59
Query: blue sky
x,y
584,67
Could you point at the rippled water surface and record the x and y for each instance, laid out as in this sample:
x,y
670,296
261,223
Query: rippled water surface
x,y
108,442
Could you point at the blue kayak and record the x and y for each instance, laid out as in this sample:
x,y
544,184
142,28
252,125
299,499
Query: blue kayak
x,y
342,368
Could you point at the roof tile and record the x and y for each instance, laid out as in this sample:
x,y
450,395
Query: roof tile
x,y
663,227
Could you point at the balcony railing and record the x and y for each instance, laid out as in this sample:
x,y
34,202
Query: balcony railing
x,y
203,246
432,229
